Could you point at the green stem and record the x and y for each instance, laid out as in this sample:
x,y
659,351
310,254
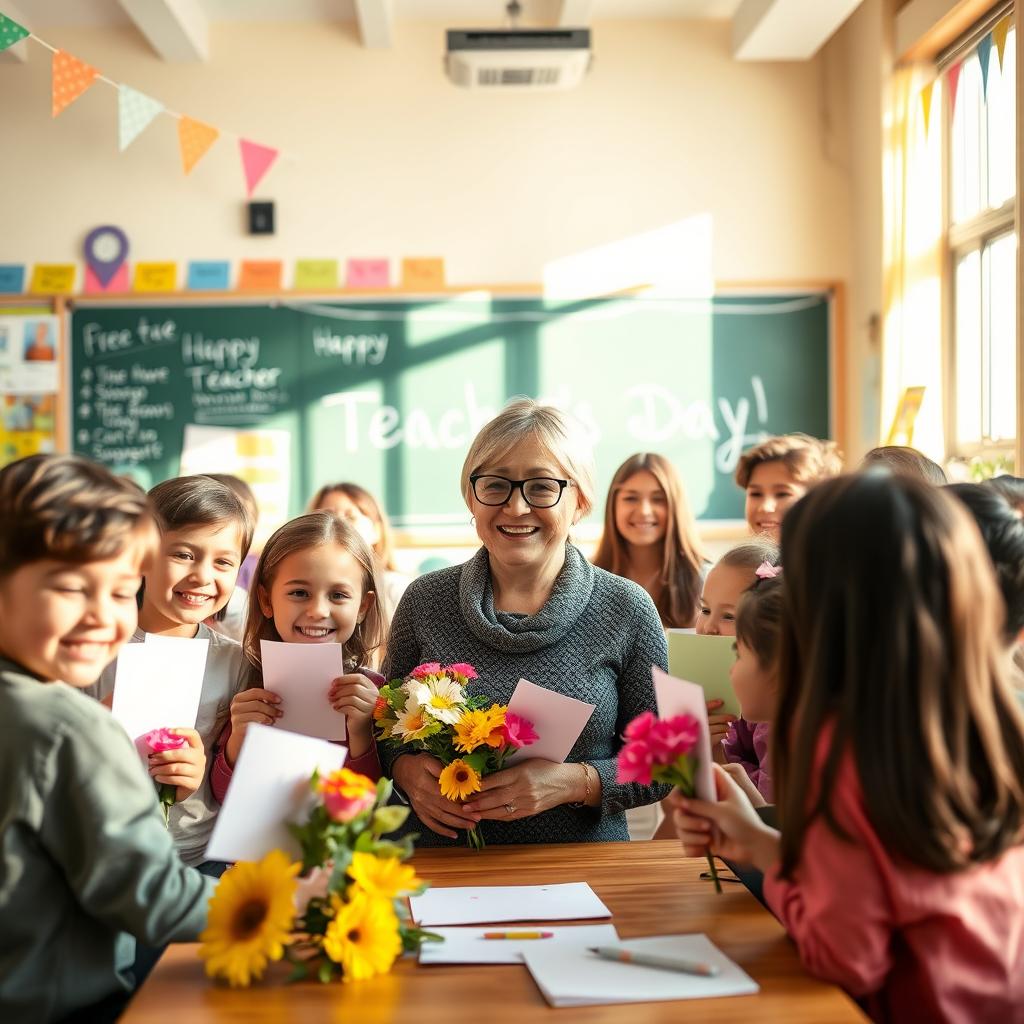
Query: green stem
x,y
714,872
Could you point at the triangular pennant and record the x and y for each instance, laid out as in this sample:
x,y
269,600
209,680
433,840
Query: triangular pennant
x,y
999,34
256,161
953,81
926,104
984,52
70,78
10,32
135,111
194,138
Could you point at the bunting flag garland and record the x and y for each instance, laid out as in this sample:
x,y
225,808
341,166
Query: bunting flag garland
x,y
984,52
10,32
926,105
135,112
256,161
70,78
953,81
999,34
194,138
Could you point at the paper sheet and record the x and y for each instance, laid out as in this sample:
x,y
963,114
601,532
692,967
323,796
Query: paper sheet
x,y
157,685
558,721
269,788
569,976
704,660
568,901
468,945
676,697
301,675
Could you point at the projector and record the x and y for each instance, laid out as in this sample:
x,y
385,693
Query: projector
x,y
527,59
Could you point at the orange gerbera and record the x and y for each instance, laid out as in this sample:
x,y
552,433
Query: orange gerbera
x,y
459,780
480,728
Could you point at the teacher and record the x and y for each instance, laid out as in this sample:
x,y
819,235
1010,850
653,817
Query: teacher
x,y
529,605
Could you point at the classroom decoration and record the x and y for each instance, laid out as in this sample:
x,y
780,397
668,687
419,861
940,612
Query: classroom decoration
x,y
312,275
209,276
260,276
953,82
345,917
156,277
999,36
984,53
12,278
28,381
926,104
423,274
106,249
53,278
368,273
71,77
430,710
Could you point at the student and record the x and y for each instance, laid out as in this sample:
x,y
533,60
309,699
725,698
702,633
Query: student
x,y
86,865
1011,488
205,532
899,870
908,461
315,583
778,472
650,537
359,507
230,620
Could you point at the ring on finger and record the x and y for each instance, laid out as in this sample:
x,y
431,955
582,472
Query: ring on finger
x,y
511,808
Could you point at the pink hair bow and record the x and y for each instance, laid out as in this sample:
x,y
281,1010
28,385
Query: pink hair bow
x,y
766,571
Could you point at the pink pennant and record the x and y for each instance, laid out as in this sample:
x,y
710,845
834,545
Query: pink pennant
x,y
256,161
953,78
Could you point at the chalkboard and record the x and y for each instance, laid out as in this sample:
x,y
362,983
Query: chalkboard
x,y
390,393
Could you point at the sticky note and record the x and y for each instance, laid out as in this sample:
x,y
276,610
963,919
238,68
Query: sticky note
x,y
118,283
423,274
260,276
156,277
369,273
209,276
53,278
313,274
12,279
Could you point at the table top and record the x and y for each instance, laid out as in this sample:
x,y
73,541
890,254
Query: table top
x,y
649,888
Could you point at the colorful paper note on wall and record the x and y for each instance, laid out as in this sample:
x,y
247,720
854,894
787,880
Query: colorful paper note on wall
x,y
53,278
12,279
423,275
260,276
310,274
194,139
156,277
70,77
369,273
209,276
118,283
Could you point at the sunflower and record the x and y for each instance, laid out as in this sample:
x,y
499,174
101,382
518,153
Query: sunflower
x,y
250,919
459,780
386,877
363,936
479,728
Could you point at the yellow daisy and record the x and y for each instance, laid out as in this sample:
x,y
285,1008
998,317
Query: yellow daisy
x,y
386,877
250,920
459,780
363,936
479,728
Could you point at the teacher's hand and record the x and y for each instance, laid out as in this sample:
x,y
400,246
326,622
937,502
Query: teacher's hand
x,y
524,789
417,775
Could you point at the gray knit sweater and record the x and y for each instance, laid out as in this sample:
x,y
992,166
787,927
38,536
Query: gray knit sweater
x,y
595,639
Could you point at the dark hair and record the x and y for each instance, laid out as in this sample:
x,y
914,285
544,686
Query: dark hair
x,y
1002,530
67,508
241,488
682,557
759,619
370,507
807,459
1011,488
907,461
200,501
313,530
890,647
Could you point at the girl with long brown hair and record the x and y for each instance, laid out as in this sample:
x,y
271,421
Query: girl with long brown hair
x,y
898,758
651,538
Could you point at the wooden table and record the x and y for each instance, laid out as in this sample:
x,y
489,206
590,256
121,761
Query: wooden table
x,y
650,890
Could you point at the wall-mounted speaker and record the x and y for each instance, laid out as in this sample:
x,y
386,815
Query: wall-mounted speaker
x,y
261,218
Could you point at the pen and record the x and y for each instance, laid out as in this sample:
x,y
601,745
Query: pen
x,y
666,963
518,935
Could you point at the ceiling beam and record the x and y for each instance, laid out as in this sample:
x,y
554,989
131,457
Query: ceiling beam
x,y
177,29
18,53
376,23
574,13
786,29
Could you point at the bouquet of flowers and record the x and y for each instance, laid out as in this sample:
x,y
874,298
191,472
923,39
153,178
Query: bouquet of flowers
x,y
430,710
344,917
663,750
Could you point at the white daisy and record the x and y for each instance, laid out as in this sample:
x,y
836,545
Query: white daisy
x,y
443,699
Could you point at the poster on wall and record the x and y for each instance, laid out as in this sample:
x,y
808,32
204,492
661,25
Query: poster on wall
x,y
28,383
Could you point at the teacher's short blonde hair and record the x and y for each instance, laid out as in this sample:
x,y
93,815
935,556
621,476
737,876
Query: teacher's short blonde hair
x,y
561,434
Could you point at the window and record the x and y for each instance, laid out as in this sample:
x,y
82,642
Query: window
x,y
981,188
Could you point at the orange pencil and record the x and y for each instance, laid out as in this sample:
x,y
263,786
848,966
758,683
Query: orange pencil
x,y
518,935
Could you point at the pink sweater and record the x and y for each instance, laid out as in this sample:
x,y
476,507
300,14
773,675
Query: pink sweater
x,y
910,944
747,745
367,764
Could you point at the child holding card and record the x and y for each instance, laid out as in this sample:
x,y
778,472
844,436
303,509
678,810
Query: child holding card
x,y
205,532
84,855
315,583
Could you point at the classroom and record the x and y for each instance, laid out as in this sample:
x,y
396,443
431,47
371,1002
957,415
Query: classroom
x,y
518,499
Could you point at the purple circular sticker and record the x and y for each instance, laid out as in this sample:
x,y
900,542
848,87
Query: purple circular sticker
x,y
106,248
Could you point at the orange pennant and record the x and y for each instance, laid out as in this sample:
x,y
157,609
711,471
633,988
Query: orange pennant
x,y
194,138
69,79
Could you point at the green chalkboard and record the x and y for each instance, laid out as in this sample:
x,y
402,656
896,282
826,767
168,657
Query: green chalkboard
x,y
389,393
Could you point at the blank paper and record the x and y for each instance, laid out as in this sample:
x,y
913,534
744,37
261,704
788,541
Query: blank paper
x,y
473,904
301,675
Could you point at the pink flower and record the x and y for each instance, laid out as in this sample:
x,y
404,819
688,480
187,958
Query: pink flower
x,y
641,727
346,794
635,763
671,738
463,671
518,732
429,668
160,740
